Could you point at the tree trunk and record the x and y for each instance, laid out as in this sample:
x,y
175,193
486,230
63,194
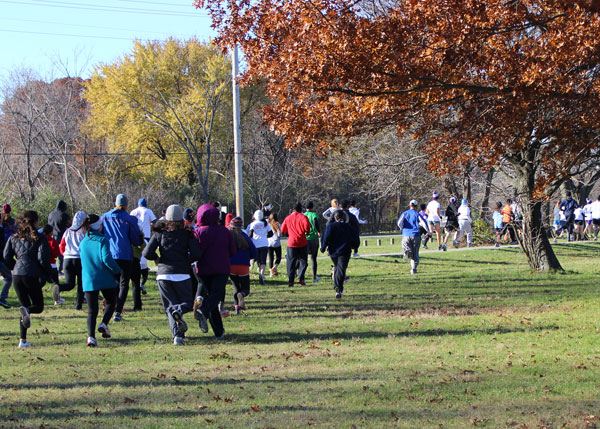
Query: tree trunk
x,y
534,241
466,182
485,204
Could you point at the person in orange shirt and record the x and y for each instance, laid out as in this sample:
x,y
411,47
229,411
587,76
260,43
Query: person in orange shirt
x,y
507,218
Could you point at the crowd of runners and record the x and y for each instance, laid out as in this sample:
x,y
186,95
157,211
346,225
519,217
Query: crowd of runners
x,y
197,252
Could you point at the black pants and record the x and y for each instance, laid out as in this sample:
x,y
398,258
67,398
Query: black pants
x,y
297,260
313,250
274,256
511,231
123,283
110,297
214,287
145,272
29,293
340,264
136,277
240,284
72,270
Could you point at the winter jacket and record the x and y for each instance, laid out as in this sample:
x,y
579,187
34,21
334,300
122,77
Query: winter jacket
x,y
178,249
10,227
98,268
568,207
339,238
296,226
32,257
69,245
59,220
216,243
451,219
54,249
122,232
242,257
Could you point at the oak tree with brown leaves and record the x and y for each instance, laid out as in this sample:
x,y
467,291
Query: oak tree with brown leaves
x,y
496,83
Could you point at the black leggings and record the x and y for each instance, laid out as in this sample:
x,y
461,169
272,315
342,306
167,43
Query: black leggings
x,y
313,250
240,284
145,272
136,277
124,278
214,286
274,252
110,295
72,270
29,293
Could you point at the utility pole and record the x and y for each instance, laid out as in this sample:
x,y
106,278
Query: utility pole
x,y
237,136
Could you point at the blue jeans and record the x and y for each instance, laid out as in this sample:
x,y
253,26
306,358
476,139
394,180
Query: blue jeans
x,y
7,281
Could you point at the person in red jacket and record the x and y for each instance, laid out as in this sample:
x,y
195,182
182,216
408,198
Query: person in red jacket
x,y
54,253
296,226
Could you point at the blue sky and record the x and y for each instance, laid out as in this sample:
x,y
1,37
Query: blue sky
x,y
40,34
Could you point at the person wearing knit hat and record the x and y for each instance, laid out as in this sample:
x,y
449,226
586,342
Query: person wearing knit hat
x,y
260,231
178,248
144,215
122,232
98,271
240,264
464,223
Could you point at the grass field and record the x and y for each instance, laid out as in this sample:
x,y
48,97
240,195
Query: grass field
x,y
474,340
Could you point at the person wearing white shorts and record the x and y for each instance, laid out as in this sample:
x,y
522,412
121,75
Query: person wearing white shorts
x,y
434,218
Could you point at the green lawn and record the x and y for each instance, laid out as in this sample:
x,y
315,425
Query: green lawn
x,y
475,339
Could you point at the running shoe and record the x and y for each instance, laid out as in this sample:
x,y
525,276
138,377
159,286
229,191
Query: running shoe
x,y
197,304
271,273
425,246
103,329
316,279
241,303
444,247
338,294
143,288
301,282
178,341
4,303
180,324
91,342
356,255
221,337
25,318
118,318
261,279
56,293
413,271
455,243
346,279
238,310
60,301
23,344
496,245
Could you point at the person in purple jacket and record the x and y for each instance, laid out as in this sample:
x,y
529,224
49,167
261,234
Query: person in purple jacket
x,y
217,247
122,232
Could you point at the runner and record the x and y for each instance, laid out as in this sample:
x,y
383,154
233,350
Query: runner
x,y
339,239
568,206
178,248
579,221
5,273
328,214
498,225
59,220
464,223
596,217
69,248
145,217
260,231
274,245
423,213
410,223
99,272
451,222
313,238
296,225
507,220
240,264
28,255
587,212
434,218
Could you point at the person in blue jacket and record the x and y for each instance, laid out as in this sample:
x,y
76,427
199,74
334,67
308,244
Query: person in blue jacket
x,y
339,238
122,231
411,223
99,273
240,264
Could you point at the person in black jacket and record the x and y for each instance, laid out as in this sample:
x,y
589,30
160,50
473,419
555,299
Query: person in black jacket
x,y
339,238
451,222
27,253
178,249
59,220
568,206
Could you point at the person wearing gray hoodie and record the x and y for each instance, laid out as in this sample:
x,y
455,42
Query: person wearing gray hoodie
x,y
69,249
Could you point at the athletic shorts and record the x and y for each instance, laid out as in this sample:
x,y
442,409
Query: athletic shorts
x,y
262,255
433,222
239,270
580,222
498,229
451,228
596,222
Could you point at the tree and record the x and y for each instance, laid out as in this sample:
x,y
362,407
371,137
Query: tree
x,y
497,82
165,102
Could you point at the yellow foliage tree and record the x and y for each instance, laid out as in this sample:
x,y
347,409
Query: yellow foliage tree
x,y
167,104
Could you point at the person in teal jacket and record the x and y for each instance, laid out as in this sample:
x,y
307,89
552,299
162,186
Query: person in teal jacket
x,y
99,273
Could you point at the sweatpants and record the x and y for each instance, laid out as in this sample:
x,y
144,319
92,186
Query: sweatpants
x,y
297,260
240,284
176,297
465,228
274,256
313,250
214,287
29,293
136,277
340,264
410,247
7,280
110,297
72,270
124,278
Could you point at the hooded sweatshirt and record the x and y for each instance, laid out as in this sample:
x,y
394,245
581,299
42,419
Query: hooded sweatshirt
x,y
59,220
69,245
216,243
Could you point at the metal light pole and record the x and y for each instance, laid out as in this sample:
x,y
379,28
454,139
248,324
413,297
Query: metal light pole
x,y
237,137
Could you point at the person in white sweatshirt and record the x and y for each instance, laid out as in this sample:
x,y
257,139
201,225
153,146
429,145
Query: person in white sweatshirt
x,y
69,248
464,223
